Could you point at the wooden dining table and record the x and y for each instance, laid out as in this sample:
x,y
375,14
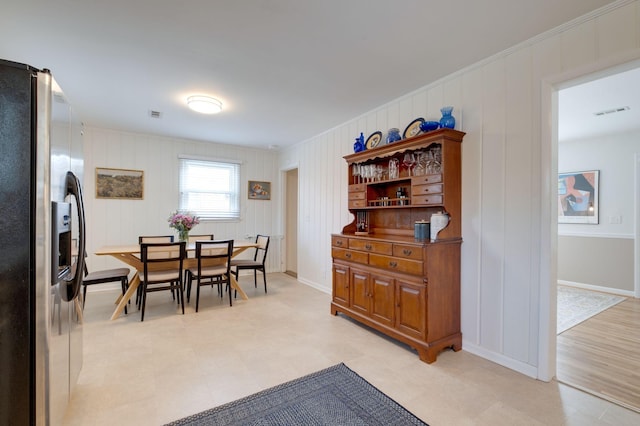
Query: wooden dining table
x,y
130,254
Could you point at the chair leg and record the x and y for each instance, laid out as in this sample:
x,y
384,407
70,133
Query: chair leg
x,y
139,296
264,277
123,284
84,295
181,296
189,279
255,278
144,301
197,294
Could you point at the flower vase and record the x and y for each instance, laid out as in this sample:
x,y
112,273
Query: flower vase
x,y
447,121
183,235
393,135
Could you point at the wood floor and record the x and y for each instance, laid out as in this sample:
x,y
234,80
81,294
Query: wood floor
x,y
602,355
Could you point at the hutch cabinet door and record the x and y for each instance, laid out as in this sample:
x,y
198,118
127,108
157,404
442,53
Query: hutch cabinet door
x,y
412,308
359,286
383,299
341,284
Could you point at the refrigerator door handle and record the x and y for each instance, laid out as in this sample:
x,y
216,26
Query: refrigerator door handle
x,y
74,283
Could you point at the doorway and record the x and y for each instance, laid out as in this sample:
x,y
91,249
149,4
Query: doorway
x,y
610,86
291,223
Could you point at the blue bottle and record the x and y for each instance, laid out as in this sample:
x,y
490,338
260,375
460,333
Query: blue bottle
x,y
358,146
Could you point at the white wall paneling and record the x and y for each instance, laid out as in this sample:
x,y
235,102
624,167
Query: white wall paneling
x,y
509,181
119,222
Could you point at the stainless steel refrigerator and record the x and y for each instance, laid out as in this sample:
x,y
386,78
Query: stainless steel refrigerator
x,y
42,246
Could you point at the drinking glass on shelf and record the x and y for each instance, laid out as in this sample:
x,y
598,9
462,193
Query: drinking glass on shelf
x,y
437,160
366,173
355,172
421,164
393,168
409,161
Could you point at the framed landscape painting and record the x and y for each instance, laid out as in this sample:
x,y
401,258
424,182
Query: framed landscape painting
x,y
578,197
119,183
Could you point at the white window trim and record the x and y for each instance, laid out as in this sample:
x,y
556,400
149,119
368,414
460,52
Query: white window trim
x,y
232,216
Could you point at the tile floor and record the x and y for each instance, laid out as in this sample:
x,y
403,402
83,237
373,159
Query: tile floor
x,y
170,365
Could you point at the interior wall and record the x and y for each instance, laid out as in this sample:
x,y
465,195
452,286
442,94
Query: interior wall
x,y
601,255
291,225
120,222
600,263
505,194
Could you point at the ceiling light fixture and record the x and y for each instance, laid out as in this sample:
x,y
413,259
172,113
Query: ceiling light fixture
x,y
204,104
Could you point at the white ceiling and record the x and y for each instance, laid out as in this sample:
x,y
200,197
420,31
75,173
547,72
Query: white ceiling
x,y
286,70
577,106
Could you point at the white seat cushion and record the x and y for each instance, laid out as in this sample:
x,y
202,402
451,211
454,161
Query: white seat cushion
x,y
162,276
209,271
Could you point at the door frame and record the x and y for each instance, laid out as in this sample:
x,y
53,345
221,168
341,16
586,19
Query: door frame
x,y
283,208
548,210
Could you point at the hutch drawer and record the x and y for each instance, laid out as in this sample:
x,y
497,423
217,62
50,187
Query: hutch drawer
x,y
350,255
371,246
407,251
396,264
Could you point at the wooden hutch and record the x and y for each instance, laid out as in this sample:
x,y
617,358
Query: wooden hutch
x,y
382,276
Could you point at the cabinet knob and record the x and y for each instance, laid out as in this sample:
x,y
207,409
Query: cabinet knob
x,y
407,252
347,255
368,246
393,264
339,242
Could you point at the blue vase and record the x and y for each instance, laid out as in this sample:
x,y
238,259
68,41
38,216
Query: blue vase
x,y
447,121
393,135
358,146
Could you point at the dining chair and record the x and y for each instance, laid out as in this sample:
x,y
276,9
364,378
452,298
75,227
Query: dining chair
x,y
214,258
257,264
152,239
104,276
162,269
194,238
155,239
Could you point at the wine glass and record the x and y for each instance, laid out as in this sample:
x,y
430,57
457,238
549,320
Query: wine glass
x,y
355,172
409,161
393,168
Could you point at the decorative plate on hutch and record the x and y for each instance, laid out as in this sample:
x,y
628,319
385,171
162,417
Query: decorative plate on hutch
x,y
413,128
373,140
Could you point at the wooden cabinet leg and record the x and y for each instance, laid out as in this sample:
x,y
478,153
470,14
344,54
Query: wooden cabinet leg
x,y
427,355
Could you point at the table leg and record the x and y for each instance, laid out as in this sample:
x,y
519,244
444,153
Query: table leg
x,y
236,286
79,310
133,287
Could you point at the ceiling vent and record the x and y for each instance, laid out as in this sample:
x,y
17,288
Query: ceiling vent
x,y
155,114
612,111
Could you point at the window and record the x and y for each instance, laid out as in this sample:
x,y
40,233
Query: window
x,y
210,188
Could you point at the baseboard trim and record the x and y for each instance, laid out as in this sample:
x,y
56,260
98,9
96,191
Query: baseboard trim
x,y
602,289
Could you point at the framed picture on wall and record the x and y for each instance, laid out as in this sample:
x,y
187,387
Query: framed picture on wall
x,y
119,183
578,197
259,190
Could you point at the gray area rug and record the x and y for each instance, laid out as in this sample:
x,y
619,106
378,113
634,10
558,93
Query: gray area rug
x,y
334,396
576,305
